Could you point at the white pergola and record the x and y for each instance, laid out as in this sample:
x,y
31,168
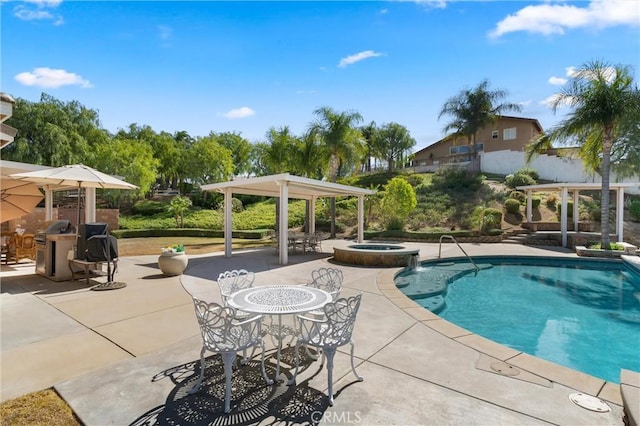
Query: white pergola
x,y
575,188
285,186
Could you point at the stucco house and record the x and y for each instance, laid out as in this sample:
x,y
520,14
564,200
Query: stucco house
x,y
508,133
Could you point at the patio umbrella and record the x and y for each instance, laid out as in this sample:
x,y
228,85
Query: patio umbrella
x,y
17,198
77,175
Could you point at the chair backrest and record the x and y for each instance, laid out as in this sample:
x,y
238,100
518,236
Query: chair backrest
x,y
221,331
341,319
235,280
327,279
28,241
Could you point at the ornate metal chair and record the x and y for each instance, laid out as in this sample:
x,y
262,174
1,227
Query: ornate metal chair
x,y
327,279
329,333
223,333
234,280
26,247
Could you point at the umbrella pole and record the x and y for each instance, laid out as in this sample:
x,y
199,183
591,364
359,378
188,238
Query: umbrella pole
x,y
78,222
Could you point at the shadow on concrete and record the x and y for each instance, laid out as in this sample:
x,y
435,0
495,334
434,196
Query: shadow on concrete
x,y
252,400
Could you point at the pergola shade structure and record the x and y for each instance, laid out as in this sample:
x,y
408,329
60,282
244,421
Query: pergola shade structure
x,y
285,186
575,188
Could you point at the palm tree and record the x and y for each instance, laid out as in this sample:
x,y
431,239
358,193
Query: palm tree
x,y
474,109
341,140
604,100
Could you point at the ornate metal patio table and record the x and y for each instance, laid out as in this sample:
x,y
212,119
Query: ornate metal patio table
x,y
279,300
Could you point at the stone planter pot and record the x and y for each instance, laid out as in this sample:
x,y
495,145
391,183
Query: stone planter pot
x,y
173,263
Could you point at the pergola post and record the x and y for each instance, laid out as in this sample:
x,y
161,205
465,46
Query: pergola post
x,y
576,210
620,214
563,216
228,232
529,202
283,236
360,218
312,215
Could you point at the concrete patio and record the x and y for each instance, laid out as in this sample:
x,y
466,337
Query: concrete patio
x,y
126,356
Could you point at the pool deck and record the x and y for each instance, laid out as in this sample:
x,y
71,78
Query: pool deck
x,y
125,356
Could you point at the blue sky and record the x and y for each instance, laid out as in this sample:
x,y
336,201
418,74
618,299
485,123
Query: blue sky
x,y
247,66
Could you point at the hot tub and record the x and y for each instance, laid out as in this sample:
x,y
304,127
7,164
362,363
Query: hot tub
x,y
375,254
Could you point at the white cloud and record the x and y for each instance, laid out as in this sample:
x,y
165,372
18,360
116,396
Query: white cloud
x,y
305,92
51,78
241,112
352,59
525,103
26,12
433,4
384,11
551,19
557,81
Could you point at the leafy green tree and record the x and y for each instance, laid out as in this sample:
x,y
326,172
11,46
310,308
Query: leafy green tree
x,y
208,161
398,200
277,154
342,141
369,133
391,143
240,149
605,103
178,207
54,133
132,160
474,109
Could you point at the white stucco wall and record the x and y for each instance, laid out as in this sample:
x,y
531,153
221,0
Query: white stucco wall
x,y
556,169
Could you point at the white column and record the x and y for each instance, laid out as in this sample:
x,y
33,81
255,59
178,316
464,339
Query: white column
x,y
312,215
576,210
563,216
284,223
620,214
228,221
89,205
529,203
360,218
48,203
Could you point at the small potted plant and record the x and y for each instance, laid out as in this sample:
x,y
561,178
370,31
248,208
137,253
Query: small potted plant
x,y
173,260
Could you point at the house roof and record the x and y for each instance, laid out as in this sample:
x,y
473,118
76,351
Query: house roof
x,y
443,140
298,187
581,186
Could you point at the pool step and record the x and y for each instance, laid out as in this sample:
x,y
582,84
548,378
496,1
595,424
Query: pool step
x,y
434,303
424,290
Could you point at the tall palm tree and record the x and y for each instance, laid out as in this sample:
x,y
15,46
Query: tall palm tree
x,y
604,99
340,139
474,109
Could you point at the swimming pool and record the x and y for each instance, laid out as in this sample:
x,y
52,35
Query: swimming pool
x,y
584,315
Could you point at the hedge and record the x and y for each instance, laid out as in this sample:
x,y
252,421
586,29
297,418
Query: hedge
x,y
255,234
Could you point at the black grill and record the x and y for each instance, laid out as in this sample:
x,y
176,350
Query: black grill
x,y
53,227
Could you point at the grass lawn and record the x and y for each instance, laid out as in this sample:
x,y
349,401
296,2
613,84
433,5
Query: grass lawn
x,y
192,245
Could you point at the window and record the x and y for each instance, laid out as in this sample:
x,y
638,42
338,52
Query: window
x,y
494,134
453,150
509,134
479,147
463,149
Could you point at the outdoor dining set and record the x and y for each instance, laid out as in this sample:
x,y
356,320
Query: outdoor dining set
x,y
248,314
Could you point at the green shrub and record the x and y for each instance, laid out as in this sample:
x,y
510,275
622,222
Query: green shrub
x,y
535,202
236,205
512,206
518,195
148,207
551,201
569,209
533,173
634,210
519,179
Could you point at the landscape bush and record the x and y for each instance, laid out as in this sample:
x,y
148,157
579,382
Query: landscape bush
x,y
634,210
533,173
492,218
551,201
535,202
148,207
512,206
519,179
569,209
518,195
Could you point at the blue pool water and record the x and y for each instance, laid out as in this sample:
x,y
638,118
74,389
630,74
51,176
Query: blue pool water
x,y
583,315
